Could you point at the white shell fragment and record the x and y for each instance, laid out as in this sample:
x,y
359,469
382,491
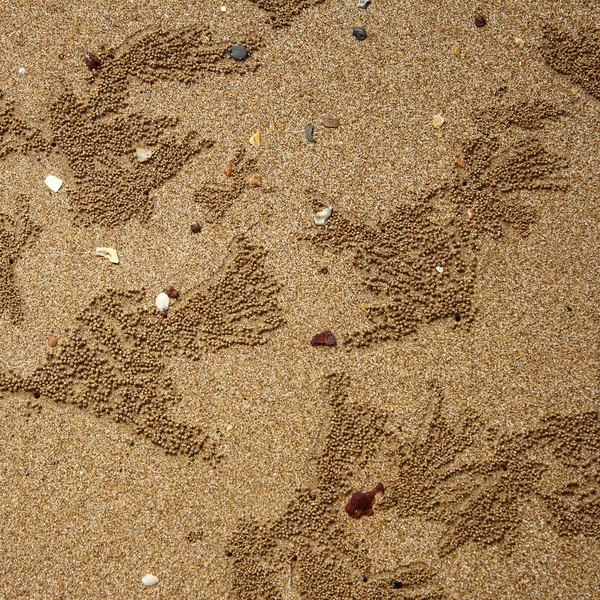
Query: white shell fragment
x,y
223,9
143,154
439,269
162,302
109,253
438,121
54,183
149,580
323,215
22,70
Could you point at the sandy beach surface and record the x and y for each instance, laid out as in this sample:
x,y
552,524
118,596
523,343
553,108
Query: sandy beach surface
x,y
212,445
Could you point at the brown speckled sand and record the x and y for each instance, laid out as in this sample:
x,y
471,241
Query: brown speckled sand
x,y
88,506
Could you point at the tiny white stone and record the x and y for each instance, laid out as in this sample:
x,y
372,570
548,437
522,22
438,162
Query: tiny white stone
x,y
22,70
54,183
162,302
149,580
438,121
439,269
520,42
323,215
143,154
223,8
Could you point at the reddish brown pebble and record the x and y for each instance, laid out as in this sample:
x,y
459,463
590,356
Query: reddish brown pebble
x,y
324,339
254,180
228,170
324,270
480,21
361,503
196,227
52,341
172,292
91,61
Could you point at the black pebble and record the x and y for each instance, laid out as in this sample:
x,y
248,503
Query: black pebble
x,y
196,228
359,33
239,52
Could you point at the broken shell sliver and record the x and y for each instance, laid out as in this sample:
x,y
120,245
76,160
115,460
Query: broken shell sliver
x,y
324,214
143,154
54,183
162,302
109,253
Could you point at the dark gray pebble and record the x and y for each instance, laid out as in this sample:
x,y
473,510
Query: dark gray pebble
x,y
239,52
309,133
359,33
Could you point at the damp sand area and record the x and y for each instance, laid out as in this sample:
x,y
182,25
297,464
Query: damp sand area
x,y
299,300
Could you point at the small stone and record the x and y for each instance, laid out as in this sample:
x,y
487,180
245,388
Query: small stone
x,y
228,170
309,133
460,161
330,122
359,33
438,121
22,70
520,42
228,427
223,9
195,228
254,180
172,292
109,253
363,4
162,302
52,341
324,270
322,216
255,139
149,580
324,339
470,212
54,183
480,21
238,52
439,269
143,154
91,61
457,50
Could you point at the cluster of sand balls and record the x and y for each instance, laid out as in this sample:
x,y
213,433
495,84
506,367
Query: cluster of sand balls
x,y
238,306
15,233
421,266
312,538
489,492
217,198
400,261
281,12
15,135
113,363
98,136
575,55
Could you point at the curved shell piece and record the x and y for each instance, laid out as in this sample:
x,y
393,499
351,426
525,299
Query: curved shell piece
x,y
323,215
149,580
109,253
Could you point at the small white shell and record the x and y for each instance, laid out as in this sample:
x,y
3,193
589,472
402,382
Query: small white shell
x,y
439,269
109,253
143,154
162,302
323,215
54,183
149,580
